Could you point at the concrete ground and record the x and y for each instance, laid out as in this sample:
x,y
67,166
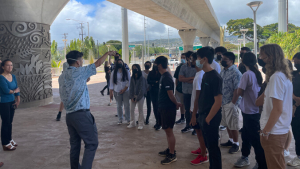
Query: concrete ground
x,y
44,142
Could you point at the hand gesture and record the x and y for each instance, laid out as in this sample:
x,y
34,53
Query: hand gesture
x,y
178,105
17,90
17,103
112,53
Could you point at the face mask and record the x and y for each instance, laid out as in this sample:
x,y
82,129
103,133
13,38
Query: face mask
x,y
261,62
219,57
119,65
224,63
199,65
241,55
297,66
193,66
147,67
183,61
134,71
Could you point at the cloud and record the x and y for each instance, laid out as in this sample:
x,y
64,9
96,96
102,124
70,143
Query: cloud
x,y
105,23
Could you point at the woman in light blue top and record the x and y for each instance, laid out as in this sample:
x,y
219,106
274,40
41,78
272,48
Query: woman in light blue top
x,y
119,87
10,100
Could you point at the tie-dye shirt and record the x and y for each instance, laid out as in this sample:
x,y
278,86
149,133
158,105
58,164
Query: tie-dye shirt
x,y
73,88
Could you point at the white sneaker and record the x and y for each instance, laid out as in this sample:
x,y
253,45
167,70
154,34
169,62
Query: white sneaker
x,y
130,126
140,127
109,104
286,153
119,122
294,162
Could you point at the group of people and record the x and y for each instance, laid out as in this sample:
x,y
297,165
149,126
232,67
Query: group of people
x,y
210,90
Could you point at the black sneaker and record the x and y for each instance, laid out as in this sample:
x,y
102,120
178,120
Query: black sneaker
x,y
241,130
116,115
155,125
158,127
58,116
222,128
186,130
102,92
228,144
170,158
147,122
194,133
234,149
164,153
180,121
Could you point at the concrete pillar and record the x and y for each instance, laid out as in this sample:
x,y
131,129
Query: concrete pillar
x,y
204,41
25,39
125,47
187,37
282,16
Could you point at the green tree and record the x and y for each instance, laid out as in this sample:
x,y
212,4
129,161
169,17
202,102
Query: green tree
x,y
117,44
289,42
78,45
234,26
250,45
229,46
272,29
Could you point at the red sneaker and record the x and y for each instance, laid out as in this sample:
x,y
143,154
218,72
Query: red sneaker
x,y
197,152
199,160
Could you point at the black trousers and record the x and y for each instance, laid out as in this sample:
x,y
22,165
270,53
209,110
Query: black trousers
x,y
148,100
82,126
211,138
7,112
187,105
250,137
154,99
107,86
296,130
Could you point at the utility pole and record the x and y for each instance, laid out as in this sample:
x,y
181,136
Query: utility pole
x,y
65,41
144,40
169,41
81,27
98,50
148,49
287,15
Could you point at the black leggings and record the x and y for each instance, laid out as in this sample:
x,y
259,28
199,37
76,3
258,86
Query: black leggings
x,y
148,100
107,86
154,99
7,112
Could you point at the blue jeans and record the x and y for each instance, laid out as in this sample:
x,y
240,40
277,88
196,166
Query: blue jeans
x,y
123,99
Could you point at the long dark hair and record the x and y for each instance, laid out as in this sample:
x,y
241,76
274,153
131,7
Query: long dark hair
x,y
124,72
3,64
105,65
249,59
139,73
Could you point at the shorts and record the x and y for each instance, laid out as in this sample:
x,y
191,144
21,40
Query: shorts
x,y
197,126
230,117
179,97
168,117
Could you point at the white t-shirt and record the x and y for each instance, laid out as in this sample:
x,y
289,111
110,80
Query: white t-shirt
x,y
196,86
215,65
281,88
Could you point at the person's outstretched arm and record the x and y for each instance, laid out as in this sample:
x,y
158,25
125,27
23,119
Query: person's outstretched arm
x,y
100,61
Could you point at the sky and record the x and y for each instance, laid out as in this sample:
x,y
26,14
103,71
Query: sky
x,y
105,19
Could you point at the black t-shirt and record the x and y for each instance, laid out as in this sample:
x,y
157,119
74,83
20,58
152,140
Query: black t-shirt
x,y
166,83
153,80
211,86
176,76
296,84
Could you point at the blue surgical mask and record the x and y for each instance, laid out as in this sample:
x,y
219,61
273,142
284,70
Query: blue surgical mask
x,y
183,61
198,64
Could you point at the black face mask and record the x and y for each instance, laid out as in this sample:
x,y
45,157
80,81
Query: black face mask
x,y
134,71
261,62
155,68
147,67
241,55
219,57
297,66
224,63
193,66
119,65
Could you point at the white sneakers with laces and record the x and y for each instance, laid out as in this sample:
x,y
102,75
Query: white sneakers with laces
x,y
294,162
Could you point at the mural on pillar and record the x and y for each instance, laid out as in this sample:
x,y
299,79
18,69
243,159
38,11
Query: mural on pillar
x,y
28,46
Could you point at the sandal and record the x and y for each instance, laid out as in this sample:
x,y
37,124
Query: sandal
x,y
9,147
13,143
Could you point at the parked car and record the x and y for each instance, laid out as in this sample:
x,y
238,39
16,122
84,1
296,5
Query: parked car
x,y
173,62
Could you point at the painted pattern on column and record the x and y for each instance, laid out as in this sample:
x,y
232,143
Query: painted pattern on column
x,y
28,46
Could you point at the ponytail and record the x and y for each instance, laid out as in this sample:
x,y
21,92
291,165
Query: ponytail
x,y
257,74
249,59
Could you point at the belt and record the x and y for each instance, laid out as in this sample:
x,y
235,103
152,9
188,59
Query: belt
x,y
81,110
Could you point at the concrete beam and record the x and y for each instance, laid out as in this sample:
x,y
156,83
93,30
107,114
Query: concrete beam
x,y
38,11
125,47
187,37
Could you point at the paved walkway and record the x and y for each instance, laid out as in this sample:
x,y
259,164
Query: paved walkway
x,y
44,142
